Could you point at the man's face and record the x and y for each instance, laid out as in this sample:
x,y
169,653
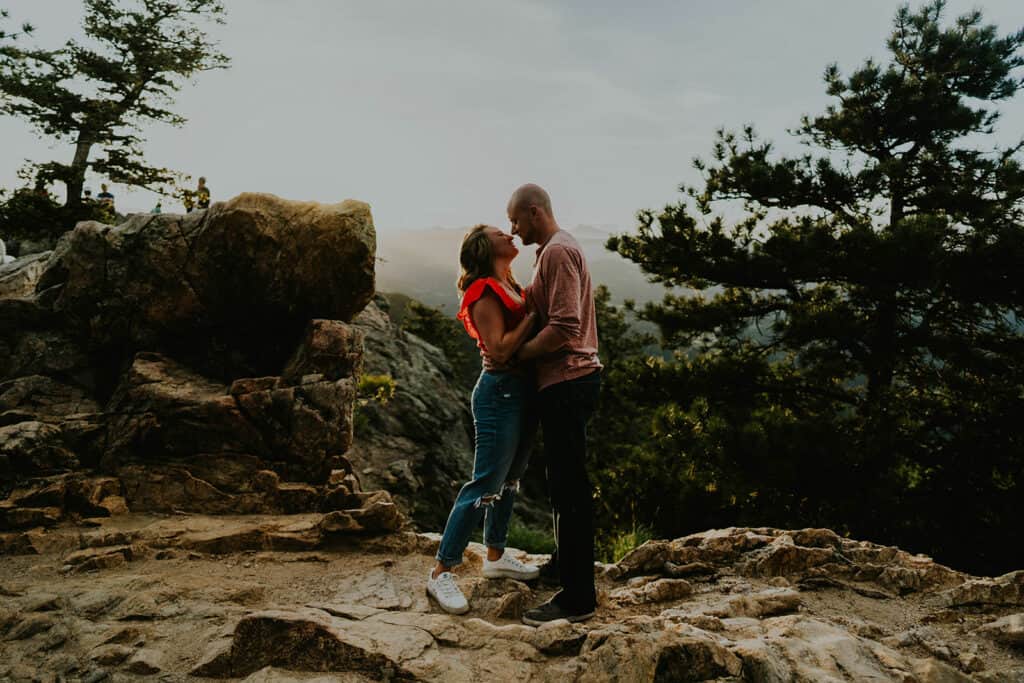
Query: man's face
x,y
524,226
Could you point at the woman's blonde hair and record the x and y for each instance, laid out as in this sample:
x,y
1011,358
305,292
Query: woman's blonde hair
x,y
476,257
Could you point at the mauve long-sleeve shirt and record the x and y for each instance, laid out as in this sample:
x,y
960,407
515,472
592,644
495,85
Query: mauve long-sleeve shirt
x,y
563,298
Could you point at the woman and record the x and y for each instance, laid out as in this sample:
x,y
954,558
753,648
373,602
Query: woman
x,y
494,313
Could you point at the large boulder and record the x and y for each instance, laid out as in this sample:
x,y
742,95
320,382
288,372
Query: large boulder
x,y
230,289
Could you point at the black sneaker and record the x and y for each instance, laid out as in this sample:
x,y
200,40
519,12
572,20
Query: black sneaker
x,y
552,611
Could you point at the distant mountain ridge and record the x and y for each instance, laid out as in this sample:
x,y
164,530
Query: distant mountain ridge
x,y
424,265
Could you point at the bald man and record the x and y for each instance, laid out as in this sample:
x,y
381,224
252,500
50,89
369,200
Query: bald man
x,y
568,383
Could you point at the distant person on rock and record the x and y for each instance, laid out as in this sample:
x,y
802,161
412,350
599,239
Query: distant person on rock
x,y
494,312
202,194
568,384
188,200
105,196
158,208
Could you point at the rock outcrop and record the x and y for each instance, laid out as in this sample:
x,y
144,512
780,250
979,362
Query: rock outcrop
x,y
340,596
243,277
205,362
418,446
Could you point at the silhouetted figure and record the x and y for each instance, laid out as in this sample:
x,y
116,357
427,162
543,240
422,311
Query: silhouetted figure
x,y
158,208
105,197
202,194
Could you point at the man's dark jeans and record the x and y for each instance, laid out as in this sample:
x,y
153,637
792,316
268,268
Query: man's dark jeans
x,y
565,409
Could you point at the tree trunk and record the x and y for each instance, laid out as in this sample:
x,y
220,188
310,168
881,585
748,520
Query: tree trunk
x,y
882,361
76,178
881,369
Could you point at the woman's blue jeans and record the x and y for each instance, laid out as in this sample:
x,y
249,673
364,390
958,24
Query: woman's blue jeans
x,y
501,455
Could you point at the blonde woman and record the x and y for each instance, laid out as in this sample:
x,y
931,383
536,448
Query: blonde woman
x,y
494,313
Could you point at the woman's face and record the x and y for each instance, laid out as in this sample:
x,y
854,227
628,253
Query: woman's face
x,y
502,244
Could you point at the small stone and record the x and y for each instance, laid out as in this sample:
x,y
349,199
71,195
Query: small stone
x,y
125,635
115,505
111,655
971,662
95,676
24,518
1008,630
63,663
339,521
30,626
660,590
265,481
559,638
145,662
44,603
934,671
704,622
57,636
768,603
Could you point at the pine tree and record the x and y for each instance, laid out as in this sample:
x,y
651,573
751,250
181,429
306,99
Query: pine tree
x,y
99,95
862,315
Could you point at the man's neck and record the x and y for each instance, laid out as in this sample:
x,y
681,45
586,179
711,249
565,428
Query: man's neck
x,y
548,232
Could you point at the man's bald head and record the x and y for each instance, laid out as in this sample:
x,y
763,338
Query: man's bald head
x,y
529,212
530,195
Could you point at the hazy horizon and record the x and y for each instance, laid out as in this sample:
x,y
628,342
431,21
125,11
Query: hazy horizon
x,y
434,114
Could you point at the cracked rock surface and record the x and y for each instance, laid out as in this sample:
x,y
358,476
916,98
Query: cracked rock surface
x,y
296,597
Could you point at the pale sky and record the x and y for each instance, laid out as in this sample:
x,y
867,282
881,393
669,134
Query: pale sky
x,y
433,112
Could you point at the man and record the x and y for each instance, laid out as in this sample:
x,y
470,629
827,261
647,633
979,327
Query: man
x,y
105,196
568,383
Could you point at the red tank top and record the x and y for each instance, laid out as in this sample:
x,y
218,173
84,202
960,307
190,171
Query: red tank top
x,y
514,312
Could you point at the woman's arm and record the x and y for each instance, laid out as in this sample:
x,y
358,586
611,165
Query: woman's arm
x,y
489,320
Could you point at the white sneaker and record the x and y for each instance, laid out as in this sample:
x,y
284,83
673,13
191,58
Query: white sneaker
x,y
508,567
447,593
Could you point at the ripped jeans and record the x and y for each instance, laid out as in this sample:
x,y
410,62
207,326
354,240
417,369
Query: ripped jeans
x,y
499,410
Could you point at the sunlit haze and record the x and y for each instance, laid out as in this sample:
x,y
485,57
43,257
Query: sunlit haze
x,y
434,112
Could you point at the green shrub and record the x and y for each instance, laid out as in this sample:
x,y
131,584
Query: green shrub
x,y
376,388
531,539
26,214
615,546
524,537
379,388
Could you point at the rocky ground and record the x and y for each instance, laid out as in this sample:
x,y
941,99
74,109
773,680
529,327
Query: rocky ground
x,y
306,597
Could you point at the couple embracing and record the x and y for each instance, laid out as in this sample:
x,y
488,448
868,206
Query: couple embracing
x,y
540,366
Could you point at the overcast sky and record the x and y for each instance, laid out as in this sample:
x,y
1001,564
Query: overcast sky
x,y
433,112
